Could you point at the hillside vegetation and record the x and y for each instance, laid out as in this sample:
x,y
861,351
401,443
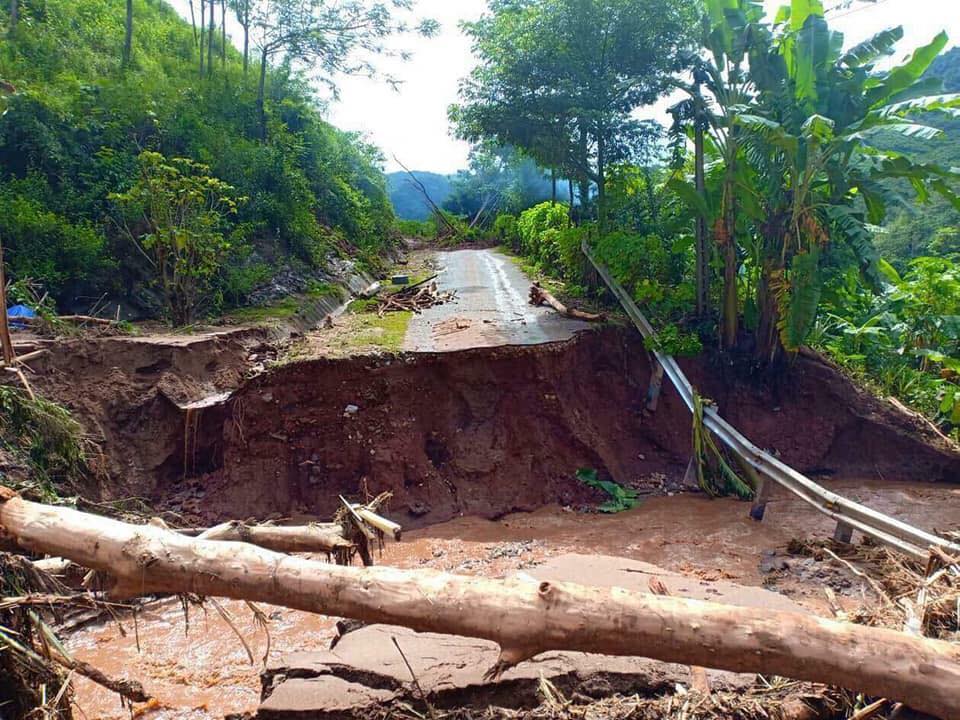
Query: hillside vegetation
x,y
812,198
80,118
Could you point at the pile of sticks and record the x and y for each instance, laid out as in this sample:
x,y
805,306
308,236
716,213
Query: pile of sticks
x,y
416,298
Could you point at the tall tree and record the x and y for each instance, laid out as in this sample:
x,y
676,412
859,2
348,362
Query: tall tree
x,y
211,32
223,33
203,33
804,170
193,21
330,39
128,34
243,9
564,77
14,15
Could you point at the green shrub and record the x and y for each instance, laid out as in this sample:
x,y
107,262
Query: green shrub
x,y
533,227
68,259
507,231
417,228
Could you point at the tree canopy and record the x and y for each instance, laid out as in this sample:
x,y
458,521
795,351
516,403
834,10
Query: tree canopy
x,y
561,79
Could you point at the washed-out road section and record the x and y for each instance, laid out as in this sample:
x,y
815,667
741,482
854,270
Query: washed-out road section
x,y
491,309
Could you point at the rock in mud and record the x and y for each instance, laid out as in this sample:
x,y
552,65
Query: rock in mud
x,y
366,670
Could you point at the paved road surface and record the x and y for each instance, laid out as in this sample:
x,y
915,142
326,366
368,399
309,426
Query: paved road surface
x,y
491,308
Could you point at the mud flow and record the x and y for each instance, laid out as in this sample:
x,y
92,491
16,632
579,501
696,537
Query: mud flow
x,y
479,449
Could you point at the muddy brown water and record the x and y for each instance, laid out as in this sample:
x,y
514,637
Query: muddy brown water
x,y
201,670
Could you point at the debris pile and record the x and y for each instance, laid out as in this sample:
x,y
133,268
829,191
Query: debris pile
x,y
918,598
416,298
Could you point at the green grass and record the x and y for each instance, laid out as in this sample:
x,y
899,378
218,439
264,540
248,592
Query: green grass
x,y
282,310
387,332
287,307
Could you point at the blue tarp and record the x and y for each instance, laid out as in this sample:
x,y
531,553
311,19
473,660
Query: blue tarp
x,y
20,311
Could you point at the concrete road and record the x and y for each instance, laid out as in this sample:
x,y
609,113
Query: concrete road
x,y
491,308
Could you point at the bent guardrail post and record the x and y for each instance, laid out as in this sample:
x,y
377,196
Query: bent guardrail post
x,y
849,515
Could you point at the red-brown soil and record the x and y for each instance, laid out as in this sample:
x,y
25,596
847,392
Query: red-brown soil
x,y
478,432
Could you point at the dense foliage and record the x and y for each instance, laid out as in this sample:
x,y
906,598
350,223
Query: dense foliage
x,y
73,131
561,80
816,156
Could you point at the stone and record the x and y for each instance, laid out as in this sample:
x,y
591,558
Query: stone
x,y
320,698
365,668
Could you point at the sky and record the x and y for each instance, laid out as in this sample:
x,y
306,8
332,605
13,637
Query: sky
x,y
411,123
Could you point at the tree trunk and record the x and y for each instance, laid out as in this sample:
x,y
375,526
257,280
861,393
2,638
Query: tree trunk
x,y
769,347
602,181
542,296
731,304
223,33
6,343
14,15
246,45
128,35
553,186
570,189
327,538
262,95
210,35
203,30
703,250
193,22
526,618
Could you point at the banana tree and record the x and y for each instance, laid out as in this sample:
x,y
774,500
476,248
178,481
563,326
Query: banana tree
x,y
811,136
722,85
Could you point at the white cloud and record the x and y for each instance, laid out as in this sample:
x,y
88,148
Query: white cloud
x,y
412,123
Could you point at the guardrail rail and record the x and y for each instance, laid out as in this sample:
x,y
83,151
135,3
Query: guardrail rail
x,y
849,515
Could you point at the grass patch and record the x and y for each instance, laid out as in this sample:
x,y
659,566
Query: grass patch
x,y
387,332
47,438
287,307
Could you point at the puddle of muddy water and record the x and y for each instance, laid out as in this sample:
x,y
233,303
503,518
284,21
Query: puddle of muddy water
x,y
205,673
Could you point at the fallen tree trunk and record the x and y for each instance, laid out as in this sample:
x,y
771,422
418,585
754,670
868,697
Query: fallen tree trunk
x,y
524,617
328,537
542,296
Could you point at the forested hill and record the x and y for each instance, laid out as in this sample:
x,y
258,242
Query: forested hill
x,y
74,129
932,229
407,198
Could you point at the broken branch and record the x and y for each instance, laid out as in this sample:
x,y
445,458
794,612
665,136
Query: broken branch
x,y
541,296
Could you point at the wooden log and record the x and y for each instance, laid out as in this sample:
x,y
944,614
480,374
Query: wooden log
x,y
387,527
541,296
303,539
525,618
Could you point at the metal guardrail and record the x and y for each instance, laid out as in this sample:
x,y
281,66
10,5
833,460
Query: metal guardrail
x,y
883,528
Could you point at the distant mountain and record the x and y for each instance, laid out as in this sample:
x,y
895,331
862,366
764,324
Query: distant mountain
x,y
408,202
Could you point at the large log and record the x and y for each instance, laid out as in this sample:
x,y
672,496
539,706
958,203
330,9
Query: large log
x,y
525,618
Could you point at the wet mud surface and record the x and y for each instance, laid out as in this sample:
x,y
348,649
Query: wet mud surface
x,y
205,672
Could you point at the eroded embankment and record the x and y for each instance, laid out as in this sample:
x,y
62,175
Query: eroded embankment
x,y
489,431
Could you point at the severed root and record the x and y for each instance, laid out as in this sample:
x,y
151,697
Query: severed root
x,y
541,296
509,657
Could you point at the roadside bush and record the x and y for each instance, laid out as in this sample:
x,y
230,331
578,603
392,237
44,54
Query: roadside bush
x,y
417,228
507,231
533,227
